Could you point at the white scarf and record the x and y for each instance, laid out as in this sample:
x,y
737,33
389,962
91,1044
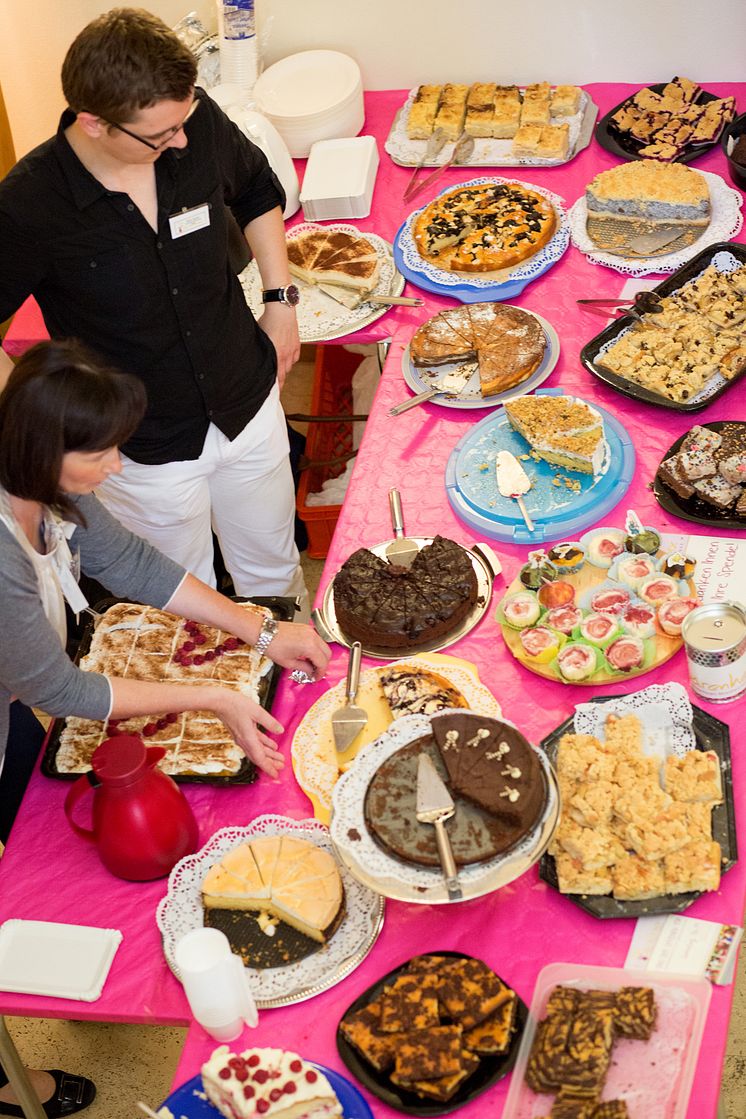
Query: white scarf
x,y
57,570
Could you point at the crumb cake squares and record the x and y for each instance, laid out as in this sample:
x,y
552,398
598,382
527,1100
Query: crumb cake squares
x,y
629,826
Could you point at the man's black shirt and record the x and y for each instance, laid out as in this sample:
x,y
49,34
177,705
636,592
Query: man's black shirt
x,y
167,309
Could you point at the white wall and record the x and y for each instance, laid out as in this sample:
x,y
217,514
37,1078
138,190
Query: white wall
x,y
400,43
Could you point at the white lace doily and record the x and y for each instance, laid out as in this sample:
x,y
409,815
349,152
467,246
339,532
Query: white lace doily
x,y
313,752
487,152
409,882
725,222
180,911
320,317
535,266
664,711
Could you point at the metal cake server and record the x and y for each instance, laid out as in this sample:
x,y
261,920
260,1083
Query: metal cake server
x,y
513,481
435,806
349,720
400,551
451,383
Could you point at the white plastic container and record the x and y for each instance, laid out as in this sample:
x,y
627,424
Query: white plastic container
x,y
340,177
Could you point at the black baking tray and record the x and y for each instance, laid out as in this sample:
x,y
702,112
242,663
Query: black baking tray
x,y
609,334
629,148
491,1069
693,508
710,734
282,609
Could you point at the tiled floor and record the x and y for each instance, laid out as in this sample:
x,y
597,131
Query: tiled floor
x,y
130,1063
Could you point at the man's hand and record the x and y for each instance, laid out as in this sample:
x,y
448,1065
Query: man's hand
x,y
279,322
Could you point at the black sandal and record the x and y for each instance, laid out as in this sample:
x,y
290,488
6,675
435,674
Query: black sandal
x,y
72,1093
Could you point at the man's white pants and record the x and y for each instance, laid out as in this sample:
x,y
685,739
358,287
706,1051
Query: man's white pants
x,y
242,489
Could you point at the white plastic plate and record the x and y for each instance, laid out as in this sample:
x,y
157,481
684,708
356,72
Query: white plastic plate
x,y
63,961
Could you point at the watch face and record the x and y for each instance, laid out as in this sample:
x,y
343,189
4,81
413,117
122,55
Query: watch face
x,y
292,295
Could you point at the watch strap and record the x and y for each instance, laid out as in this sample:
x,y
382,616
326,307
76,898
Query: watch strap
x,y
266,633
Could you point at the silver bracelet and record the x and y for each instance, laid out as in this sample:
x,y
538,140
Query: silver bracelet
x,y
266,633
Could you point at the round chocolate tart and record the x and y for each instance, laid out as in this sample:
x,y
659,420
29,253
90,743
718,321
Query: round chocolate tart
x,y
478,769
395,607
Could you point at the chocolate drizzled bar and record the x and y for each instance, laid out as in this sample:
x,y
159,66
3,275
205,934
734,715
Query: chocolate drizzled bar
x,y
572,1048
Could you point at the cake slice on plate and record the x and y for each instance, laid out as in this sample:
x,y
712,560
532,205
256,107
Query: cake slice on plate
x,y
562,430
271,1083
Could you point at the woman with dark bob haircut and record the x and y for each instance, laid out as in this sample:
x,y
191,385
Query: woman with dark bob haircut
x,y
62,416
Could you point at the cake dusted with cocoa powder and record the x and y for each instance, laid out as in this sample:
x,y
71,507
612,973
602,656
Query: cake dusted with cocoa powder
x,y
384,604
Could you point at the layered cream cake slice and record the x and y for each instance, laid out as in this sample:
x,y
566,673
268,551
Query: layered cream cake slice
x,y
272,1083
562,430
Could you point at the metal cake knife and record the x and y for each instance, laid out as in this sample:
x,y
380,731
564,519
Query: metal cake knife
x,y
435,806
513,481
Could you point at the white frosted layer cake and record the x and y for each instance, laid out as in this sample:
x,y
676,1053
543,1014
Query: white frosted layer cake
x,y
143,643
272,1083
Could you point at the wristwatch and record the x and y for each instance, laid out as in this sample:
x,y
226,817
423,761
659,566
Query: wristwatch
x,y
266,633
289,295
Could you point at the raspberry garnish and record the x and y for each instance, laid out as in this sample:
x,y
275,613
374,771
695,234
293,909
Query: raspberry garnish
x,y
296,1066
224,1073
149,729
210,655
172,717
248,1092
262,1106
252,1061
198,659
312,1076
187,647
231,642
242,1073
199,638
261,1076
275,1094
290,1087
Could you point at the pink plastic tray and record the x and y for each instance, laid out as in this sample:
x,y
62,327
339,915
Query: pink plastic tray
x,y
654,1077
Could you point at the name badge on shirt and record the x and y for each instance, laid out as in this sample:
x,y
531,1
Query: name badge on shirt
x,y
189,221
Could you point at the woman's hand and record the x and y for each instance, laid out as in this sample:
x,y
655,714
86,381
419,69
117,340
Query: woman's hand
x,y
248,723
299,646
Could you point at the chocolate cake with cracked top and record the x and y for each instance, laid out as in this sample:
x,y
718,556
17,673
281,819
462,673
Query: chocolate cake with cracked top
x,y
384,604
476,832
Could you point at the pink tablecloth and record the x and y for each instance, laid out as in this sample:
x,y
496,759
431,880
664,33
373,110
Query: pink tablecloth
x,y
47,873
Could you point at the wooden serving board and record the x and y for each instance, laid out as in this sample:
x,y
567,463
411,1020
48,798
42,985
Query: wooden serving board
x,y
658,649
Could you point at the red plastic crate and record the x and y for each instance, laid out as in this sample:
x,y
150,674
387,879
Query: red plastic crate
x,y
325,441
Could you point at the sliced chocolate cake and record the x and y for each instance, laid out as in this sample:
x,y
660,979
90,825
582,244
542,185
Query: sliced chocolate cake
x,y
383,604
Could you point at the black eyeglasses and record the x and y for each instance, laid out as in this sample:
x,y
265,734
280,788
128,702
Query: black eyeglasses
x,y
167,136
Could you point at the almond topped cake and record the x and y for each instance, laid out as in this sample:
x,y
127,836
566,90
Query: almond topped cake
x,y
484,227
562,430
507,343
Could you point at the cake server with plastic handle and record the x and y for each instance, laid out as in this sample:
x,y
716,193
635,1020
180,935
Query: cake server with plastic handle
x,y
513,481
435,806
349,720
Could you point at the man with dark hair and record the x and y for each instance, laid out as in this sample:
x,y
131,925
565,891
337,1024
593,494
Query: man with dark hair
x,y
118,226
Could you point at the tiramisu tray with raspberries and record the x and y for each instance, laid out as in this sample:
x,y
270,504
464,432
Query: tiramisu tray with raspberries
x,y
265,1083
607,607
142,643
